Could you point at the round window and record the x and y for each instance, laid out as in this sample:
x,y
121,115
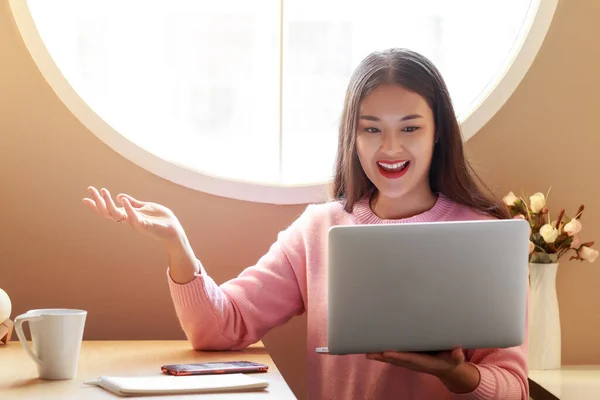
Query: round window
x,y
243,98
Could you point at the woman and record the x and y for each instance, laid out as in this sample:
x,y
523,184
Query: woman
x,y
400,159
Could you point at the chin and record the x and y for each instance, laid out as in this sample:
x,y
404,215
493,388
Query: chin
x,y
396,189
393,193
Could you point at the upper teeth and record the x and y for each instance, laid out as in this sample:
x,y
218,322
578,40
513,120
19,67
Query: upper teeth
x,y
394,166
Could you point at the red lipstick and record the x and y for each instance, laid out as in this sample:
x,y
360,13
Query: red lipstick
x,y
394,172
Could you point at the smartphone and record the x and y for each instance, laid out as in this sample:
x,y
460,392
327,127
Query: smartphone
x,y
208,368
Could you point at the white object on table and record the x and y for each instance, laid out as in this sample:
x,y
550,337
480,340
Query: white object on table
x,y
164,384
56,335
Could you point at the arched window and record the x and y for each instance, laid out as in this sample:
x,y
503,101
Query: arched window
x,y
242,98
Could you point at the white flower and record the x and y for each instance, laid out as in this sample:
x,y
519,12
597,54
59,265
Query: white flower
x,y
549,233
587,253
510,199
573,227
538,202
5,306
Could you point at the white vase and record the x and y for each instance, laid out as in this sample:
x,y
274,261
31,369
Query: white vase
x,y
544,318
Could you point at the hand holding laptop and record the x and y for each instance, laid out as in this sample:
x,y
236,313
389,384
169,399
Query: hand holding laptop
x,y
449,366
435,363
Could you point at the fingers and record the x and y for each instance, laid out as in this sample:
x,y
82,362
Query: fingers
x,y
397,356
99,201
91,204
392,356
102,202
132,217
379,357
404,357
375,356
113,212
458,356
432,364
134,202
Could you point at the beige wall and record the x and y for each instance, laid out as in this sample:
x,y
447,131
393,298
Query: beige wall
x,y
50,240
548,134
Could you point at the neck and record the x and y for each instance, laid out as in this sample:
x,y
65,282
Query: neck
x,y
407,206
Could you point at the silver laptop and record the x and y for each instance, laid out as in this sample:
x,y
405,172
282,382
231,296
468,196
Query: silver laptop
x,y
427,286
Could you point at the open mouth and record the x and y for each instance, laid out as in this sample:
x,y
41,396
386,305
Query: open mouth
x,y
393,169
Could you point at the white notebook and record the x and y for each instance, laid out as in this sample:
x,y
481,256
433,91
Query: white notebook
x,y
168,384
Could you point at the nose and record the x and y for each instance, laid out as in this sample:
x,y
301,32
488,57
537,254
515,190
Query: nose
x,y
391,143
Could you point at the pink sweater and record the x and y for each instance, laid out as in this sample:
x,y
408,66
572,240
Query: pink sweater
x,y
289,280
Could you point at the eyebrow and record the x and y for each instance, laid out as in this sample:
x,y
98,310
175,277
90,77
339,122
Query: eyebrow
x,y
405,118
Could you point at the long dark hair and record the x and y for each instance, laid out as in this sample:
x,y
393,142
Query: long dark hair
x,y
450,172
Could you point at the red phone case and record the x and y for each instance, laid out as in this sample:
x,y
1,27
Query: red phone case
x,y
210,368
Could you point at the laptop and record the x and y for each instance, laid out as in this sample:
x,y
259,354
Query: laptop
x,y
426,287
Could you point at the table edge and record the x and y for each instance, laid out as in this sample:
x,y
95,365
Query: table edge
x,y
538,392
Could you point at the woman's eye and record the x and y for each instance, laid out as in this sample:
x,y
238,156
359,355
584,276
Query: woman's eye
x,y
410,128
371,130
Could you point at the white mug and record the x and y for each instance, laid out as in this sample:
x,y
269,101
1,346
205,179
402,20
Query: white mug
x,y
56,334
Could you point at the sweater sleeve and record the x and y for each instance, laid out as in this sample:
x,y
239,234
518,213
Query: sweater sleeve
x,y
503,372
241,311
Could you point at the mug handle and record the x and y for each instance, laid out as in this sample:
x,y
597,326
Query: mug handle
x,y
21,335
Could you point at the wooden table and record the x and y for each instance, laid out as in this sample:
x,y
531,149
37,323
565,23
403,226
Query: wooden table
x,y
567,383
18,374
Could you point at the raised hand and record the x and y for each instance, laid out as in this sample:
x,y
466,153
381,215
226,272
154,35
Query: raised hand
x,y
149,218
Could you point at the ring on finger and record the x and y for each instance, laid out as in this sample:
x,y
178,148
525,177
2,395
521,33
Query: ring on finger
x,y
122,219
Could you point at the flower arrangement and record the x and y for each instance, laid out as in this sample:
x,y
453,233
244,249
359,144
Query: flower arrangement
x,y
550,239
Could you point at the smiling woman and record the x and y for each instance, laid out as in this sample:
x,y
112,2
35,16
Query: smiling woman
x,y
243,99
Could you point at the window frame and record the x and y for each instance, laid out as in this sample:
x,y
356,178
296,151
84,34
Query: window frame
x,y
488,103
